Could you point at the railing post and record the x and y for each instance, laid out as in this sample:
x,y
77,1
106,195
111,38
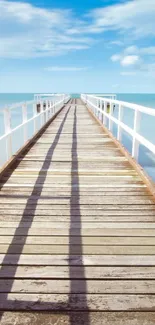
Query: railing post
x,y
110,114
120,115
104,110
35,116
100,105
53,106
42,112
47,111
7,125
135,143
24,110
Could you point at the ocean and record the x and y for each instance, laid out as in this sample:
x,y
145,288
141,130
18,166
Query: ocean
x,y
147,125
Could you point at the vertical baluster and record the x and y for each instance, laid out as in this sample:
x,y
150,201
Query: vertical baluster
x,y
120,115
53,105
7,126
98,112
135,143
47,111
105,111
102,108
110,114
24,110
35,116
42,112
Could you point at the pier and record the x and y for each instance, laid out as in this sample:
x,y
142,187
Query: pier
x,y
77,219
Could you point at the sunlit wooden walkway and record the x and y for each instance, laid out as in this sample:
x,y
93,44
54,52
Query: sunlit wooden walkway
x,y
77,230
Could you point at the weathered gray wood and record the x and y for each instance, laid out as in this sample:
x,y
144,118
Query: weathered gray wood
x,y
77,226
75,232
97,318
65,249
84,219
75,240
63,286
60,302
82,200
83,207
93,260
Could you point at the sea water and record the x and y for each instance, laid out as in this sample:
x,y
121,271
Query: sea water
x,y
147,124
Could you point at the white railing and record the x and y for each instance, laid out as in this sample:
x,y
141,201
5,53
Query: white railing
x,y
103,109
44,96
42,111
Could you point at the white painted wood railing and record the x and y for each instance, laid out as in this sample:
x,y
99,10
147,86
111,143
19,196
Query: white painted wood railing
x,y
43,110
103,109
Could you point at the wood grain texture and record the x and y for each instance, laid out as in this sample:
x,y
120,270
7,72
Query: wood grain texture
x,y
77,229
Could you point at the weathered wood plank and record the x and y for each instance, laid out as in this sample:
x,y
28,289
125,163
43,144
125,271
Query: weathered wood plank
x,y
97,318
78,224
84,219
75,240
115,302
140,232
63,286
76,207
82,200
78,260
77,250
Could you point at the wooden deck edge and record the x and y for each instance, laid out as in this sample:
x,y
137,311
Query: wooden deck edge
x,y
14,157
78,318
144,176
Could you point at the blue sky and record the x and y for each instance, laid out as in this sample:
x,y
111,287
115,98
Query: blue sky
x,y
77,46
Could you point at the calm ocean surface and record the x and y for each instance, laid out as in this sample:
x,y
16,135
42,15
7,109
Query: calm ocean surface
x,y
147,126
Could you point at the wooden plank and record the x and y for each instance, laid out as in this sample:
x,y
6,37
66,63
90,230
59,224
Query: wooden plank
x,y
84,213
47,193
84,219
79,225
78,260
34,172
94,200
76,207
97,318
64,240
77,250
115,302
140,232
76,232
63,286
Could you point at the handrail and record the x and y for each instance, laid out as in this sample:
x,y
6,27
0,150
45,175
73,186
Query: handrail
x,y
133,106
42,110
99,107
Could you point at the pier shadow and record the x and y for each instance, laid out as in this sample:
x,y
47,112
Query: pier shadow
x,y
68,307
75,201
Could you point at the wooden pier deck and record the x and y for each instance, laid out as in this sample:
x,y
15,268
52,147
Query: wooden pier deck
x,y
77,230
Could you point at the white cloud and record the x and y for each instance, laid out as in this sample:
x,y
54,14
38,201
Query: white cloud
x,y
136,17
118,43
28,31
130,60
116,57
65,68
126,60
